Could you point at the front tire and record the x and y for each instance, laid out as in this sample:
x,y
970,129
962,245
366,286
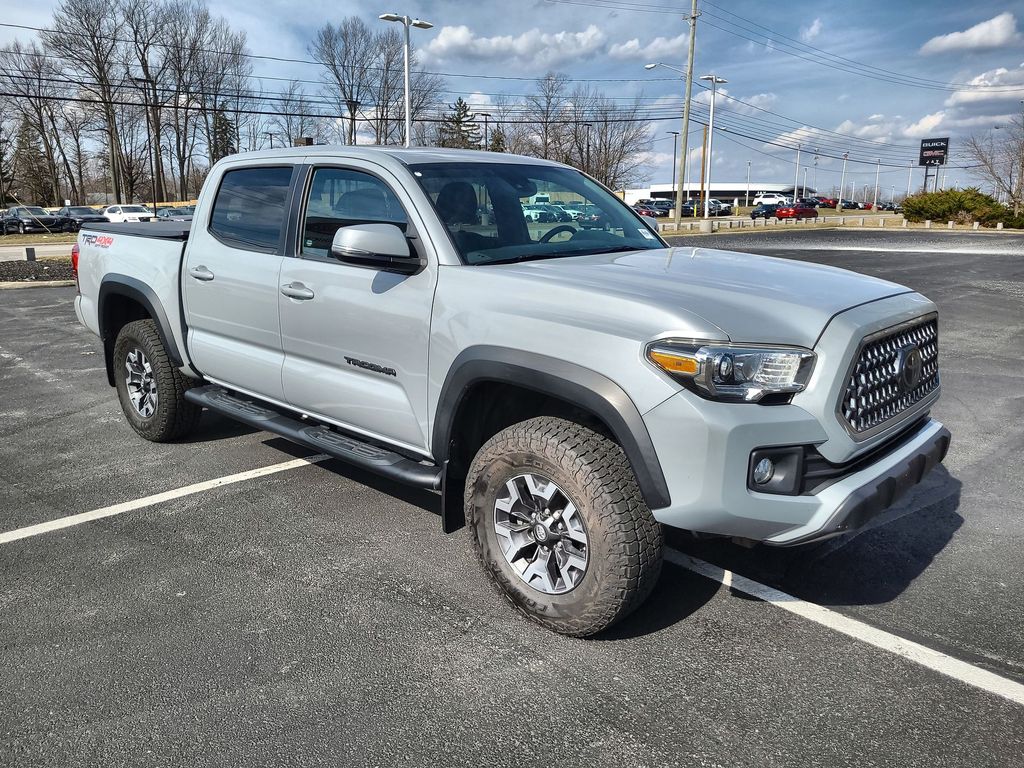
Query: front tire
x,y
150,387
561,527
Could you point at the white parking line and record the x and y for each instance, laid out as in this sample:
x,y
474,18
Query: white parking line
x,y
908,649
147,501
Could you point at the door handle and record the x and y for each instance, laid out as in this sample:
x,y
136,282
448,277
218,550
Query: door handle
x,y
201,273
297,291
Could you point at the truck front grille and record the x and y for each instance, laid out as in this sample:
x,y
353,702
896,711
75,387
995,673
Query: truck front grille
x,y
882,384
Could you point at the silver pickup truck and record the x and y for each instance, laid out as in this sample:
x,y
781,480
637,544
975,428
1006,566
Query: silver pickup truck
x,y
567,388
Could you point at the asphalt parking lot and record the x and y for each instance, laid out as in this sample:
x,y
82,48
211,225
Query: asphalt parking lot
x,y
318,616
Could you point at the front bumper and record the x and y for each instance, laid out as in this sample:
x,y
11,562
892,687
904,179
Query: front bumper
x,y
705,448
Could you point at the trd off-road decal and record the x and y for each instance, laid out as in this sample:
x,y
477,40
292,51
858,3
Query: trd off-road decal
x,y
98,241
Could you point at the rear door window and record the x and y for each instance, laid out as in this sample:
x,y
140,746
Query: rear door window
x,y
250,208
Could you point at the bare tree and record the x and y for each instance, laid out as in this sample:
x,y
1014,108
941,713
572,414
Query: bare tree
x,y
347,54
183,51
148,23
999,156
85,35
293,121
544,110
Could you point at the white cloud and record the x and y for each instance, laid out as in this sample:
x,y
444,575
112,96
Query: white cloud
x,y
926,126
658,48
809,33
997,32
1001,77
531,47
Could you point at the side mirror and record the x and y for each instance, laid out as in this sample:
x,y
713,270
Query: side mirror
x,y
379,246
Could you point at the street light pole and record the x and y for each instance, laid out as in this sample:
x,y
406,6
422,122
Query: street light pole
x,y
407,22
588,126
796,174
746,198
684,134
352,105
715,81
675,146
486,116
878,167
842,184
3,194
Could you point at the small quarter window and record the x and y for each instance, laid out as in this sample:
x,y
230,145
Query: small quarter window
x,y
249,210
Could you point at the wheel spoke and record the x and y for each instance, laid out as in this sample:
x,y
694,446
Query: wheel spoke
x,y
539,570
513,539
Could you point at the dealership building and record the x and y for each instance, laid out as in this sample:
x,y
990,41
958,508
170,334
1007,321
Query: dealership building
x,y
727,191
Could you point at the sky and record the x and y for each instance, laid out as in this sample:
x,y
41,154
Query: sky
x,y
871,80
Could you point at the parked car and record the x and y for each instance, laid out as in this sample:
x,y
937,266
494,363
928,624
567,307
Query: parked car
x,y
649,210
538,213
813,202
827,202
119,214
719,208
575,210
171,213
894,207
764,211
566,398
24,219
770,197
593,218
556,211
77,215
796,211
850,205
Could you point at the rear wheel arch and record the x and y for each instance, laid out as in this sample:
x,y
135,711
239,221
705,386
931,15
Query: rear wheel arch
x,y
489,388
123,299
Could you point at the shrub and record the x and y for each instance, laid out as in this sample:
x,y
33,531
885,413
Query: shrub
x,y
961,205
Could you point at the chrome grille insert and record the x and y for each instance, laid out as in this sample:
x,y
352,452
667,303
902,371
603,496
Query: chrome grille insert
x,y
882,383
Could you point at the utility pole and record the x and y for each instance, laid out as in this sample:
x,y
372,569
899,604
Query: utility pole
x,y
270,135
149,136
675,146
814,178
842,184
3,193
910,176
804,193
878,168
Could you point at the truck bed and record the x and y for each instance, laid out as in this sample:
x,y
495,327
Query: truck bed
x,y
162,230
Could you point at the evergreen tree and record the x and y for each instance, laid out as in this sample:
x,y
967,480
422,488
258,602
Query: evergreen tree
x,y
31,180
223,134
498,143
458,129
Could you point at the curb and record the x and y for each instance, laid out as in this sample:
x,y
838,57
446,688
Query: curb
x,y
36,284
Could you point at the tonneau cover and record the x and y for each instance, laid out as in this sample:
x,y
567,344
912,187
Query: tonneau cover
x,y
164,230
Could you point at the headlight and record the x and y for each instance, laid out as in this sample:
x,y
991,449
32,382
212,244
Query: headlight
x,y
739,373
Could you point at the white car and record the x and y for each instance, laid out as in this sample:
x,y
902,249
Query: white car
x,y
122,213
770,198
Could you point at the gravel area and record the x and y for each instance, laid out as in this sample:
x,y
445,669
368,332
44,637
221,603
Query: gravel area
x,y
29,271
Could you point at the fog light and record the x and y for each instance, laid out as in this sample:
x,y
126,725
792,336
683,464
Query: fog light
x,y
763,471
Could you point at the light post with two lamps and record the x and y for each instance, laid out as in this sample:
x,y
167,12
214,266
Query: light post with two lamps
x,y
715,81
407,22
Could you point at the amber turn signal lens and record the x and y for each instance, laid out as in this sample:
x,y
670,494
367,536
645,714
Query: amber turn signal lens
x,y
675,363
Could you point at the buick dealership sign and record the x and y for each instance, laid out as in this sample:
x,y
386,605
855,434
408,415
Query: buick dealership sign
x,y
934,151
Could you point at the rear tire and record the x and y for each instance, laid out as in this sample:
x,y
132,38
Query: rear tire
x,y
600,557
150,387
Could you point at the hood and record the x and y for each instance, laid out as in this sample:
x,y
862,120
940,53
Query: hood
x,y
753,299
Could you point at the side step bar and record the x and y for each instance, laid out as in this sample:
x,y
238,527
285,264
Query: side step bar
x,y
318,437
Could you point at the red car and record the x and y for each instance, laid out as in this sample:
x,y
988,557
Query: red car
x,y
828,202
796,211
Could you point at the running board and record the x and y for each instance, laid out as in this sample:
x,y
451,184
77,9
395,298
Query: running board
x,y
317,437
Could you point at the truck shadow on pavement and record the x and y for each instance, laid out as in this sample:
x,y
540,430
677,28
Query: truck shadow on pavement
x,y
871,566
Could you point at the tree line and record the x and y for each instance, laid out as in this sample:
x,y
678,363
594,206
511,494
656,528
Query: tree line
x,y
108,81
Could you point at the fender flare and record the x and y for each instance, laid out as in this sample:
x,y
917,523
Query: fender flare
x,y
566,381
123,285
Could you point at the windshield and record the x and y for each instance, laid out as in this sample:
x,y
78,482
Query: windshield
x,y
133,209
493,214
81,211
33,210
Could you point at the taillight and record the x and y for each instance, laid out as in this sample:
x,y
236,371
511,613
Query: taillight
x,y
74,265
